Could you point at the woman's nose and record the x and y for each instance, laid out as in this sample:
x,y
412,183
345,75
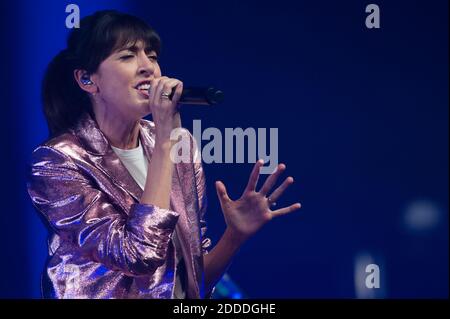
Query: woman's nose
x,y
146,66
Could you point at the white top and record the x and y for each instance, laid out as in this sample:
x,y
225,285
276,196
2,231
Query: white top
x,y
135,162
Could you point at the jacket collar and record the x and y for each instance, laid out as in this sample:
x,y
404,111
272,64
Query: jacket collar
x,y
95,143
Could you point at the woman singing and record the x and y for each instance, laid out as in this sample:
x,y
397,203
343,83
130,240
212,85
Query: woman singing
x,y
125,221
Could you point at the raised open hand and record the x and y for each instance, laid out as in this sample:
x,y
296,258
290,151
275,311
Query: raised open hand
x,y
246,215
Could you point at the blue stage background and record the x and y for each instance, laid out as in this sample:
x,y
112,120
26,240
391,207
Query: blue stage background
x,y
363,128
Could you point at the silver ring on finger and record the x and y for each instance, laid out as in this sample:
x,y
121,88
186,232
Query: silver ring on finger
x,y
165,95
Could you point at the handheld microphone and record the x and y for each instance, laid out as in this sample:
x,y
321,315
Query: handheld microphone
x,y
199,96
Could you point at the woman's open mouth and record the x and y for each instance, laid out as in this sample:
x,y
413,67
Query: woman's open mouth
x,y
143,89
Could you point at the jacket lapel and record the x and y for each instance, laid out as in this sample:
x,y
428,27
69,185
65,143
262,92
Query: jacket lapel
x,y
187,232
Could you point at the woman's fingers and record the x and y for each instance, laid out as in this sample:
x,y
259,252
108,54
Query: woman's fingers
x,y
222,192
286,210
155,90
164,85
254,175
179,89
271,180
168,86
167,102
151,91
280,189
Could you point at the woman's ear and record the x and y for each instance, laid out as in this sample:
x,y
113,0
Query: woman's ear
x,y
84,81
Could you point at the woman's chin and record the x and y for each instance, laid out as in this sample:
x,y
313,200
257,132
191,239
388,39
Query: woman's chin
x,y
143,110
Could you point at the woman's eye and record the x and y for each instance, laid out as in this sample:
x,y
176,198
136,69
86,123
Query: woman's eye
x,y
126,57
151,57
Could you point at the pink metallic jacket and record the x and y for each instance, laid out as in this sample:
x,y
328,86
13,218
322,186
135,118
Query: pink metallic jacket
x,y
103,243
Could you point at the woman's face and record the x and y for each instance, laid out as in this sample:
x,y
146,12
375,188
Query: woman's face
x,y
122,81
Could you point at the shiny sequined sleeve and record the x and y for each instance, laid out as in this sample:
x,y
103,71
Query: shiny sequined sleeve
x,y
78,212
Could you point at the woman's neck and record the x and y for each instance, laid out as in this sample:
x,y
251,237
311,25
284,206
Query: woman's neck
x,y
119,131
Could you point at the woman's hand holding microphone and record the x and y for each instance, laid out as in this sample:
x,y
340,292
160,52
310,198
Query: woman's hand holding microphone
x,y
166,118
164,110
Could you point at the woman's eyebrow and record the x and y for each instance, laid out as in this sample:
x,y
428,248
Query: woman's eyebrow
x,y
131,48
134,49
